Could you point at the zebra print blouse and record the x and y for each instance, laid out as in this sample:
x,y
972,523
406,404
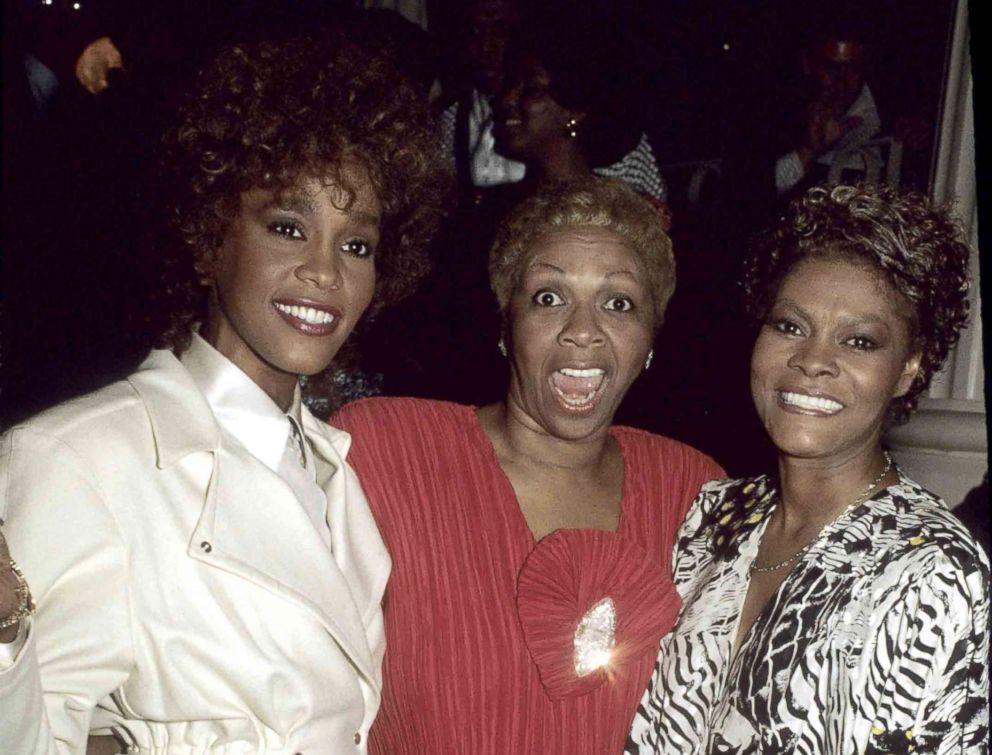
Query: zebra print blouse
x,y
877,642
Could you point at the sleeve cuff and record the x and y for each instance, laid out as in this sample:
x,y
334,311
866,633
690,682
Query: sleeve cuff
x,y
9,651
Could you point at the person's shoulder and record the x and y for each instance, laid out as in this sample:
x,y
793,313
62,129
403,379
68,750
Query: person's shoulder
x,y
917,532
386,414
120,414
642,443
115,406
743,492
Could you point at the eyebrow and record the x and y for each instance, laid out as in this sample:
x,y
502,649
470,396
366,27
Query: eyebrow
x,y
360,216
300,203
303,205
859,319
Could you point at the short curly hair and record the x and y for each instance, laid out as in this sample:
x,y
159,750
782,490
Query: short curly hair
x,y
601,202
267,114
915,246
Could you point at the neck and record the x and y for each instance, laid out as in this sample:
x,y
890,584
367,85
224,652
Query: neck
x,y
519,438
563,161
278,385
812,493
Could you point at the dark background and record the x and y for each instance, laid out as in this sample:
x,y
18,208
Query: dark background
x,y
710,75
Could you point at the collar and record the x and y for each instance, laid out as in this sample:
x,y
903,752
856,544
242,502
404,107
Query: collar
x,y
242,409
183,421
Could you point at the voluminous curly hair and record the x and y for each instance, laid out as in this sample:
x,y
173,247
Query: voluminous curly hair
x,y
916,247
269,114
601,202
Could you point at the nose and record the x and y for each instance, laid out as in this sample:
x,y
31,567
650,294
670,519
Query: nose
x,y
582,329
509,96
814,357
321,268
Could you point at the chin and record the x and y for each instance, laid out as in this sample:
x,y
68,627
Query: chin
x,y
306,364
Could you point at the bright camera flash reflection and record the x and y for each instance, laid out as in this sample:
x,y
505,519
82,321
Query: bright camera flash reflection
x,y
595,638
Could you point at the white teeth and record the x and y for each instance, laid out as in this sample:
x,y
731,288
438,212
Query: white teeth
x,y
814,403
307,314
594,372
577,402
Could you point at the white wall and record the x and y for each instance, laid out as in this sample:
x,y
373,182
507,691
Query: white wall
x,y
944,446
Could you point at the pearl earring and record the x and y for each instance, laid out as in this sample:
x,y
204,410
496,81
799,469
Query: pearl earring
x,y
501,346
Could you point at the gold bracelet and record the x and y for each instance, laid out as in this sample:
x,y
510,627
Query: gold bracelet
x,y
26,607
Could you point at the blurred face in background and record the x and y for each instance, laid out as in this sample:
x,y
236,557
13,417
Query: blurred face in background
x,y
489,33
528,121
837,69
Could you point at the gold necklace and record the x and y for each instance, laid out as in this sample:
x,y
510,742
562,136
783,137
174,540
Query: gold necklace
x,y
802,551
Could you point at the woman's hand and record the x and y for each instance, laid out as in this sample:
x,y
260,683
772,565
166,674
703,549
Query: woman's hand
x,y
825,127
10,598
95,63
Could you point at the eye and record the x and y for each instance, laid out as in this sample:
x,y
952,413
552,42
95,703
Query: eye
x,y
357,247
287,229
861,343
619,304
547,298
787,327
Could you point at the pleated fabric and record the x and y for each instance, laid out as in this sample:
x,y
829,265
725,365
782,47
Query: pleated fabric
x,y
459,675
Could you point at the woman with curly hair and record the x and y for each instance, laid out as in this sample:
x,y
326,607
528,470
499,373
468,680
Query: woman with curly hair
x,y
206,570
838,607
531,537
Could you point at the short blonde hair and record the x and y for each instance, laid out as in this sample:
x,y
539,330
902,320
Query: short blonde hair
x,y
601,202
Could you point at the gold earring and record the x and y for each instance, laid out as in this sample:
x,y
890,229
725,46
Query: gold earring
x,y
571,128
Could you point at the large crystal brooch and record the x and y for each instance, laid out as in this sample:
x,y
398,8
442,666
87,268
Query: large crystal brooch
x,y
594,638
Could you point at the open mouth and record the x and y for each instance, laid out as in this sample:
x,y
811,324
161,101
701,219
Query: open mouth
x,y
578,390
815,404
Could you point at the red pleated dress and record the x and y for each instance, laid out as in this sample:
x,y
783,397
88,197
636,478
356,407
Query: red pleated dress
x,y
480,618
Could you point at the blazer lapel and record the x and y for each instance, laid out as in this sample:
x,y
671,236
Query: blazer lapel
x,y
244,502
355,540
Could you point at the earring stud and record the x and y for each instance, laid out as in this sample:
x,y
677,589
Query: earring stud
x,y
571,128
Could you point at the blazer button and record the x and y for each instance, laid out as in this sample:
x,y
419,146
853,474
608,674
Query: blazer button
x,y
358,737
206,547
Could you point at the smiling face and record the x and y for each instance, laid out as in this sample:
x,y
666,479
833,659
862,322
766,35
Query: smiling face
x,y
291,280
528,121
580,326
834,350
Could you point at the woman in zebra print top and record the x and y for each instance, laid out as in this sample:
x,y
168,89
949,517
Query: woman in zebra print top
x,y
837,607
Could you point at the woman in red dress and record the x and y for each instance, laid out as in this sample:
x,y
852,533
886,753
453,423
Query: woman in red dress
x,y
531,539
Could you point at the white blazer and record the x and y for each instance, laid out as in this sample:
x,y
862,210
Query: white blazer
x,y
184,597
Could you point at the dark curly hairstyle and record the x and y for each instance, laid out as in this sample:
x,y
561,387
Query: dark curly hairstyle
x,y
270,113
914,245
